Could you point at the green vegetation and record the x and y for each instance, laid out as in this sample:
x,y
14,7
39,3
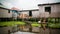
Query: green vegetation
x,y
35,24
52,25
54,22
32,19
51,20
11,23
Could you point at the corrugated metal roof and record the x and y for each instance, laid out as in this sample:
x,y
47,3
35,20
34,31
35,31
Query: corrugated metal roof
x,y
49,4
1,7
29,10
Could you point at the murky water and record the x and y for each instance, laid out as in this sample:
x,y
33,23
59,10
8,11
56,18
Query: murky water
x,y
19,32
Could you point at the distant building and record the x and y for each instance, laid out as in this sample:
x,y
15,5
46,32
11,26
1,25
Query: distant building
x,y
31,13
49,9
5,13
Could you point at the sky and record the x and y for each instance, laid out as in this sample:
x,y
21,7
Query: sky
x,y
25,4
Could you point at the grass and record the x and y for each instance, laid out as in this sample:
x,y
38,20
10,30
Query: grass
x,y
11,23
35,24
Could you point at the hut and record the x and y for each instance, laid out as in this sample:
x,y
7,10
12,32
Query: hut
x,y
5,13
31,13
49,9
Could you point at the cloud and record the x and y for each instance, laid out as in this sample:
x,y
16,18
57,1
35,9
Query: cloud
x,y
46,1
25,4
7,5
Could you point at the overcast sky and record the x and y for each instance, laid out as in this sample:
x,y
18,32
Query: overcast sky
x,y
25,4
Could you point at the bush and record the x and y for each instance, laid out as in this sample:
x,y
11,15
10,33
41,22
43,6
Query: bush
x,y
52,25
51,20
59,20
32,19
19,19
54,22
5,19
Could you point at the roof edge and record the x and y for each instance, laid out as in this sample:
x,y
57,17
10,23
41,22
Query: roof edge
x,y
49,4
